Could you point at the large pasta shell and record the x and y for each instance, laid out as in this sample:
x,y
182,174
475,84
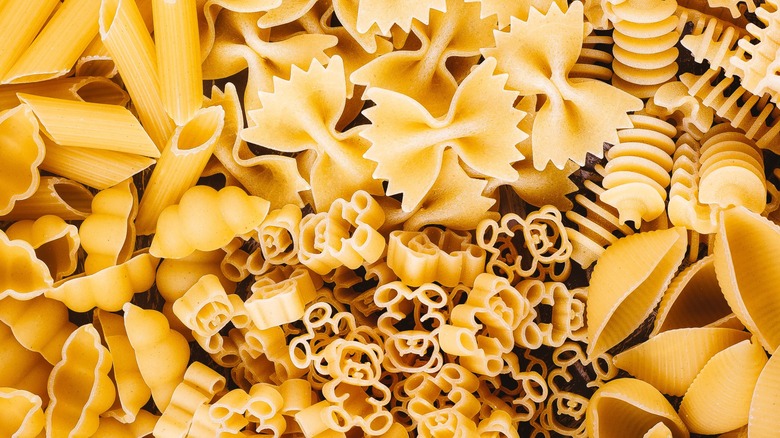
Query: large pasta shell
x,y
763,420
631,407
718,400
628,282
671,360
694,299
746,247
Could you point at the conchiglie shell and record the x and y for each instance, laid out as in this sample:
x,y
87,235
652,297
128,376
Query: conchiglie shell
x,y
630,407
671,360
694,299
763,419
718,400
628,282
745,250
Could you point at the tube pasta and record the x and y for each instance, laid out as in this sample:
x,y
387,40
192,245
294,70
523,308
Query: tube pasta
x,y
56,196
206,220
113,214
85,364
25,151
22,275
22,413
57,47
108,289
39,324
20,22
55,242
82,88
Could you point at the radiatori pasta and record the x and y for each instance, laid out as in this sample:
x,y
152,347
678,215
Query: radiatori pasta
x,y
389,218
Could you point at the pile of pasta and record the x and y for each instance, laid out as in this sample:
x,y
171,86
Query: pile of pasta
x,y
389,218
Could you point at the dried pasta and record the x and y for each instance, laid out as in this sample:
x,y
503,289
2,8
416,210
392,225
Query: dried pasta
x,y
108,234
19,25
23,275
25,149
205,307
22,413
39,324
277,301
95,89
56,196
55,242
21,368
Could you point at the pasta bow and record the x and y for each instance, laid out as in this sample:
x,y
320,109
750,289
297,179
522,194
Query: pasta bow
x,y
579,115
408,143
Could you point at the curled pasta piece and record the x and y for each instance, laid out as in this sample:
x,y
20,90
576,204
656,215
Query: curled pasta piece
x,y
24,275
432,255
85,365
55,242
40,324
155,343
198,386
56,196
684,208
277,301
717,43
345,235
22,413
24,151
718,400
229,410
757,64
205,220
204,308
672,102
746,273
265,405
278,235
113,215
630,406
620,295
141,427
108,289
672,360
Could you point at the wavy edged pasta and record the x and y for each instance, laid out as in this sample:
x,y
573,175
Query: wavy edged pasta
x,y
746,272
108,234
21,368
55,242
39,324
627,283
175,276
56,196
24,150
630,407
197,388
538,55
718,400
22,413
206,219
22,275
108,289
671,360
85,365
762,421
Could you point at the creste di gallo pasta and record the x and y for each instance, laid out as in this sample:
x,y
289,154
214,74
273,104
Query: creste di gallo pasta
x,y
389,218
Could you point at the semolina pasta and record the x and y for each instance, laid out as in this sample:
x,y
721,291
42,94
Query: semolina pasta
x,y
20,24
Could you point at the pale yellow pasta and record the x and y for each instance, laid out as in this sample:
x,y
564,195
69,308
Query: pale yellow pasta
x,y
24,150
184,158
277,301
21,368
204,308
57,48
671,360
108,289
57,196
95,60
127,39
718,400
155,344
132,392
627,283
178,57
266,404
84,88
22,413
112,428
199,385
19,24
85,365
39,324
55,242
746,272
763,420
229,410
206,219
23,275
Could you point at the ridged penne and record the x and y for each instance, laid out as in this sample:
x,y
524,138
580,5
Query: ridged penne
x,y
22,413
56,196
183,159
22,275
178,57
108,234
127,39
55,242
57,48
40,325
24,151
84,88
20,22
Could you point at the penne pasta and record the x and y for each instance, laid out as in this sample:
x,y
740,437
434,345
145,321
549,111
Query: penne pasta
x,y
58,196
20,22
57,48
87,89
178,57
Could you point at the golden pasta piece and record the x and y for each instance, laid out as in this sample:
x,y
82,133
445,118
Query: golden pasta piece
x,y
432,255
108,289
399,13
24,150
506,9
21,368
205,220
199,385
22,275
671,360
40,324
155,343
22,413
718,400
108,234
204,308
141,427
277,301
672,102
630,407
746,273
85,365
56,196
55,242
717,43
84,88
627,283
756,65
266,405
762,421
568,313
20,22
176,276
278,236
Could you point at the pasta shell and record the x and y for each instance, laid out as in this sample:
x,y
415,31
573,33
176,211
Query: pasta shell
x,y
745,249
718,400
630,407
671,360
763,420
627,283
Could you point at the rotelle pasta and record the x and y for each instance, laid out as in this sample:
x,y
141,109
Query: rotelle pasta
x,y
389,218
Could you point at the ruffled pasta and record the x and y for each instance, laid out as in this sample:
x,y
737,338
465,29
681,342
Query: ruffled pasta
x,y
23,275
55,242
39,324
22,413
399,13
25,152
21,368
56,196
762,421
113,214
198,387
